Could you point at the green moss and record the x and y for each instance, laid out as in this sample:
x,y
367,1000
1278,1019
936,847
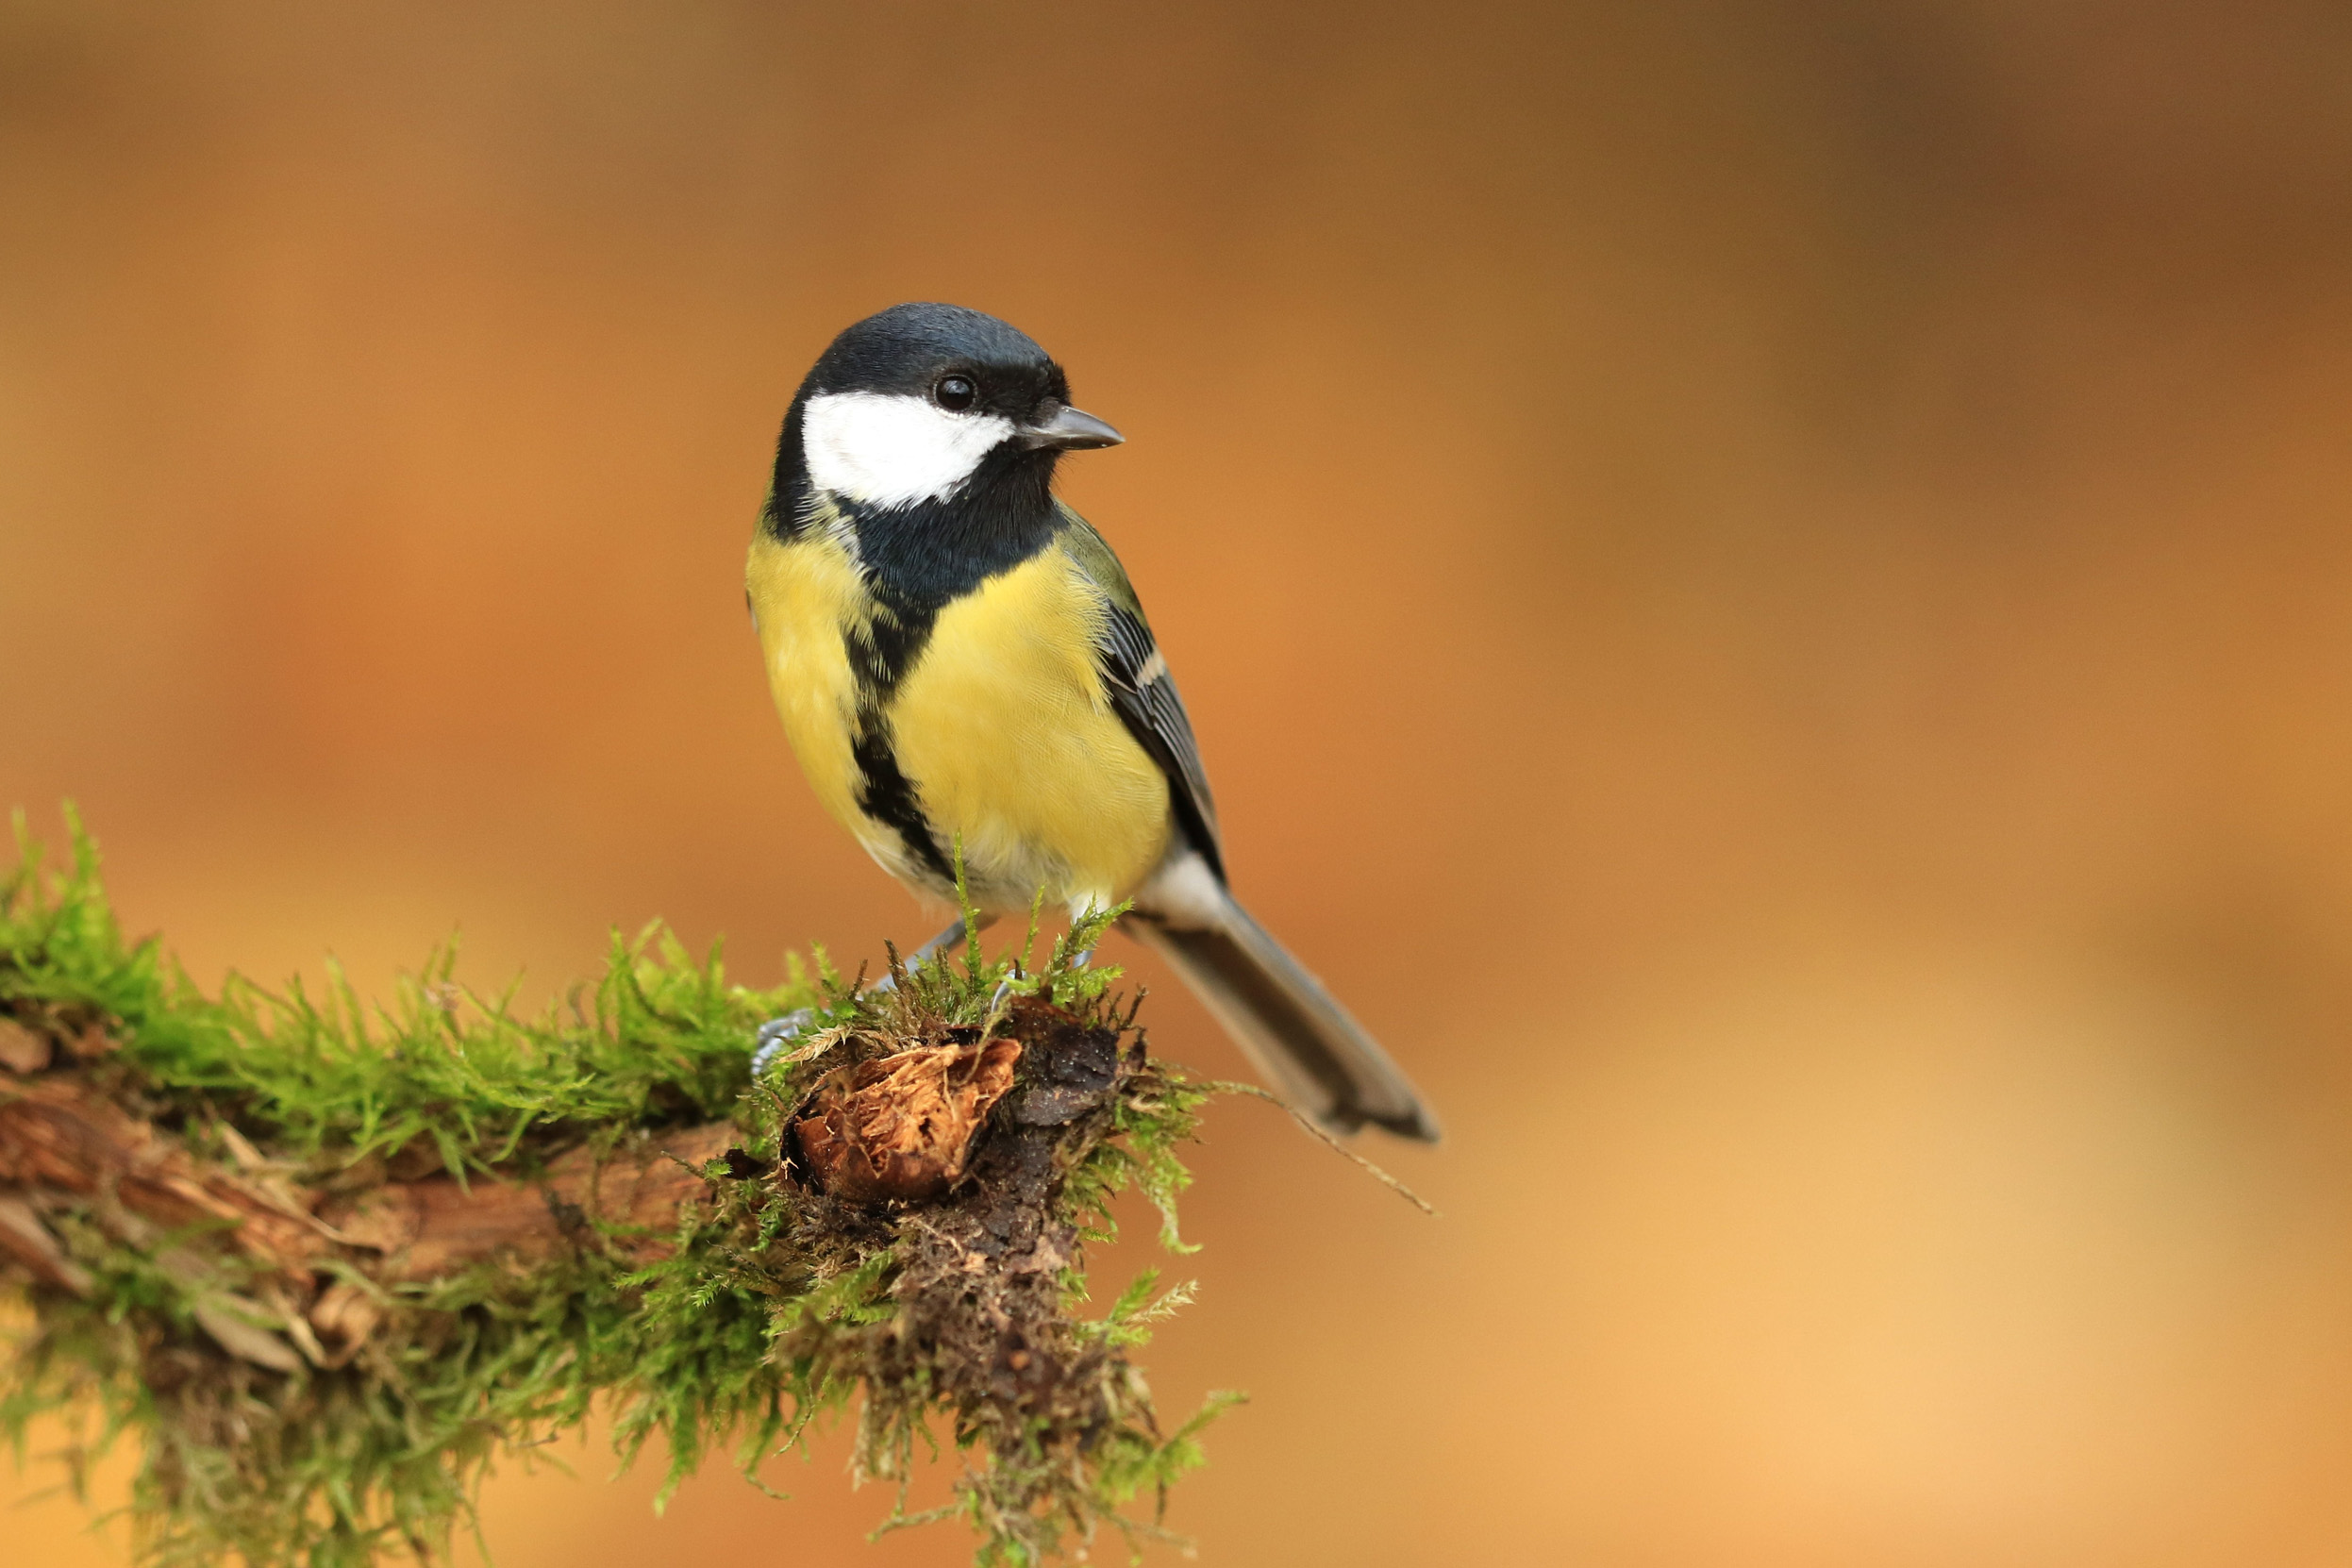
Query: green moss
x,y
776,1306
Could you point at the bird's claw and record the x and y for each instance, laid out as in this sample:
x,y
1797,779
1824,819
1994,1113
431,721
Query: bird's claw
x,y
774,1035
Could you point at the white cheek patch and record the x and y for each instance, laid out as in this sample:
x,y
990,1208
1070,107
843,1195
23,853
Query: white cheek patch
x,y
889,450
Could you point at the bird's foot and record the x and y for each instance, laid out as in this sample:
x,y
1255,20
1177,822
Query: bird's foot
x,y
776,1035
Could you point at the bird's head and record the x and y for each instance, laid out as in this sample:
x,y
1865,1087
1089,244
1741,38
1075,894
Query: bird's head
x,y
927,403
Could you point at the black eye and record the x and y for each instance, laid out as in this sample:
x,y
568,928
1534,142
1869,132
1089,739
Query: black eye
x,y
955,394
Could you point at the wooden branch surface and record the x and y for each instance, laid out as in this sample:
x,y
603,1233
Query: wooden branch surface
x,y
65,1143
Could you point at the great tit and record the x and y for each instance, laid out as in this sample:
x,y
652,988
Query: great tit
x,y
963,668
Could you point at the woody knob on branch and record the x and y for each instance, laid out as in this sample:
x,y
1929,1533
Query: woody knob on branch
x,y
901,1129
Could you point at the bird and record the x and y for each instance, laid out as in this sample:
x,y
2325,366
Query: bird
x,y
969,681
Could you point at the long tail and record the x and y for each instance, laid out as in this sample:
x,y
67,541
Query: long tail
x,y
1289,1028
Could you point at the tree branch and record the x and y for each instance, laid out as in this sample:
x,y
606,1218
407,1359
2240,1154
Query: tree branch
x,y
329,1260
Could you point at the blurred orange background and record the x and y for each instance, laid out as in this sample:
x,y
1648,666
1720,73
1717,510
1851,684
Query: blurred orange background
x,y
1765,588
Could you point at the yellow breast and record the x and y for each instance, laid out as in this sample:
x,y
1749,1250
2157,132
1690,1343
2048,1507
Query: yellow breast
x,y
1001,724
1010,740
804,595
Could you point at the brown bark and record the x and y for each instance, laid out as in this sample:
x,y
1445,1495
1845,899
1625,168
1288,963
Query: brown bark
x,y
63,1142
901,1127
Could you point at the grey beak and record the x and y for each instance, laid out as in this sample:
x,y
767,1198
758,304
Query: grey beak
x,y
1068,429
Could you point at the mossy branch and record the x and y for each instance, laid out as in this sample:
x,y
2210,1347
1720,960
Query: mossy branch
x,y
324,1263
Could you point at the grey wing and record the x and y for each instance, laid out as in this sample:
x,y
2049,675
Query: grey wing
x,y
1143,693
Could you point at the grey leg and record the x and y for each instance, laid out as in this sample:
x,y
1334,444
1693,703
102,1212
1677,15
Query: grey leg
x,y
777,1033
947,940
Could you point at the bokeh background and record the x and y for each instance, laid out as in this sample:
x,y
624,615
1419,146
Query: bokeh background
x,y
1765,586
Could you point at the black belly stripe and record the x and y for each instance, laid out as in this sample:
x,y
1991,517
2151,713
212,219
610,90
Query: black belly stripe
x,y
886,795
880,654
917,560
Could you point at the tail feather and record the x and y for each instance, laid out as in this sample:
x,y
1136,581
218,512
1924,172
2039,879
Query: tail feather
x,y
1290,1029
